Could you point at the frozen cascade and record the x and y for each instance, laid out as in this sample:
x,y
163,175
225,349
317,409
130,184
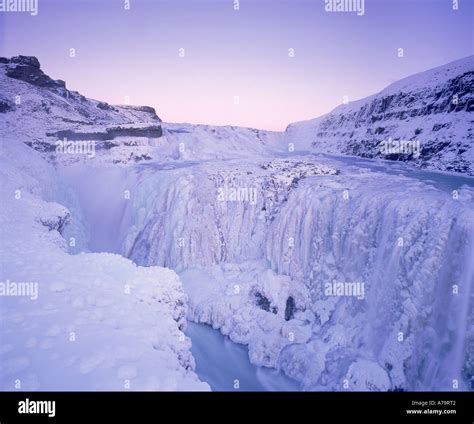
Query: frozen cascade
x,y
458,318
406,241
409,252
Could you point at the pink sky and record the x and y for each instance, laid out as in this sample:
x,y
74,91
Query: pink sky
x,y
240,53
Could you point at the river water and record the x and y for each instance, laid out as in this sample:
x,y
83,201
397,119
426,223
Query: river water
x,y
221,362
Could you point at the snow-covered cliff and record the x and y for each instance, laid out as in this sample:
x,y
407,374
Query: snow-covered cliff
x,y
88,321
42,113
426,119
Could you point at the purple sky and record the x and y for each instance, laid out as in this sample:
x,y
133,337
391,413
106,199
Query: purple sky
x,y
240,53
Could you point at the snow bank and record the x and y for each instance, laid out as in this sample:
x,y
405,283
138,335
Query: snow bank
x,y
97,321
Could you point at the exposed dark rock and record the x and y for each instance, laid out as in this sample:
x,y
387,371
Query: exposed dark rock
x,y
146,109
379,130
264,303
6,106
57,223
437,127
363,128
397,389
290,308
153,131
107,145
41,146
75,121
139,158
27,68
25,60
105,106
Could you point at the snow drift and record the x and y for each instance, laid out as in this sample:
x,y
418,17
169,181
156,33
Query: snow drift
x,y
93,321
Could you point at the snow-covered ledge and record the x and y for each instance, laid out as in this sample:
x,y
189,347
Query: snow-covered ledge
x,y
92,321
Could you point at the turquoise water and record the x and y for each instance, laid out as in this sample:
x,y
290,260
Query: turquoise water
x,y
221,362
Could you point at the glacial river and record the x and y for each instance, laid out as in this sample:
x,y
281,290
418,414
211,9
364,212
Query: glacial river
x,y
220,362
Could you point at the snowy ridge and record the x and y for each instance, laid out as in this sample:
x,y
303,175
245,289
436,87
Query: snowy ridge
x,y
51,106
204,142
70,335
431,110
40,112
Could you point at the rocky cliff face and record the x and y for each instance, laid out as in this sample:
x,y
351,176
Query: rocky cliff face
x,y
426,119
41,111
27,68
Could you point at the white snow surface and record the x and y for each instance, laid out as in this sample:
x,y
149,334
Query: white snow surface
x,y
100,322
